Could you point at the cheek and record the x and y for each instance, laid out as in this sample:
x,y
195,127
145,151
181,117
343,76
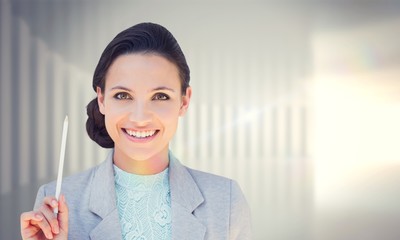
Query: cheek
x,y
169,112
168,115
113,115
116,110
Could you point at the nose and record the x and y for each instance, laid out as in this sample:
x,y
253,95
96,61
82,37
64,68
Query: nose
x,y
140,114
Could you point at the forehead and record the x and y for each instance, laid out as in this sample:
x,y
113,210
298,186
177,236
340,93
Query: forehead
x,y
142,70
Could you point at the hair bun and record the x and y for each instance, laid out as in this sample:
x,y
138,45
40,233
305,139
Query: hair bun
x,y
95,125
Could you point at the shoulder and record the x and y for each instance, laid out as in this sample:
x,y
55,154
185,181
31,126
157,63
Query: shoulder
x,y
76,183
218,185
223,198
205,179
212,187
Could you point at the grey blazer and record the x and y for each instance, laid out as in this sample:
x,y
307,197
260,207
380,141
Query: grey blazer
x,y
203,206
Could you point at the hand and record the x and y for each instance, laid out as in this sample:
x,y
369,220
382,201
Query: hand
x,y
43,223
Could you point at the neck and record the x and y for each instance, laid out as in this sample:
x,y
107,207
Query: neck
x,y
150,166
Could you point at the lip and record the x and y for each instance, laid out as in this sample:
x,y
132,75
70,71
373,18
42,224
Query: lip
x,y
140,140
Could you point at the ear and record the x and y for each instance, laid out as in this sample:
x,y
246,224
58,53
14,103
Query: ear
x,y
185,101
100,100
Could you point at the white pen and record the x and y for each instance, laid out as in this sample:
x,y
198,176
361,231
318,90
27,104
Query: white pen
x,y
61,162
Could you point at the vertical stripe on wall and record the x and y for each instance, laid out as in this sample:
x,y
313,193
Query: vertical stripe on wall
x,y
23,93
41,110
5,96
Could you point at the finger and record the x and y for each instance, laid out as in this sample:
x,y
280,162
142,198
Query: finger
x,y
27,228
44,225
63,213
50,217
30,232
26,217
51,201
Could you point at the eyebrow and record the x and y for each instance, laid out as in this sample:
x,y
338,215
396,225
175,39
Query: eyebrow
x,y
121,88
163,88
153,90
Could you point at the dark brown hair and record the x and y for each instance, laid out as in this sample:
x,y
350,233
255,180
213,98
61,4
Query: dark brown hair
x,y
141,38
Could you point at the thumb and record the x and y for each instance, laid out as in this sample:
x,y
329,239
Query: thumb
x,y
63,213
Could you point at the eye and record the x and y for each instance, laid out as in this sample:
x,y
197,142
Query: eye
x,y
161,96
122,96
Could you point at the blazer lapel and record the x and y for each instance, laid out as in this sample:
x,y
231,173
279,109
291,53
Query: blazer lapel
x,y
185,198
103,202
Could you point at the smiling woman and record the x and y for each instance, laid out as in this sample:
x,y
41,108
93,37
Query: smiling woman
x,y
141,191
142,103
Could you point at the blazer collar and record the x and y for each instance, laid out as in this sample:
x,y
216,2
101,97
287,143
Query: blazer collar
x,y
185,198
103,203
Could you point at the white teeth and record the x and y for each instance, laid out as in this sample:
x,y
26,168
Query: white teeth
x,y
140,134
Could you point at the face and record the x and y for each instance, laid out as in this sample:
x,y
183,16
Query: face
x,y
142,102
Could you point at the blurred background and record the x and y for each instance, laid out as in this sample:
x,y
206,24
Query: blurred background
x,y
299,101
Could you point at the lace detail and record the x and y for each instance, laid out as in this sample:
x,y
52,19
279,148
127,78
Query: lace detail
x,y
144,205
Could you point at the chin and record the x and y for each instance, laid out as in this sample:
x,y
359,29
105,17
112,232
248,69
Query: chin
x,y
141,155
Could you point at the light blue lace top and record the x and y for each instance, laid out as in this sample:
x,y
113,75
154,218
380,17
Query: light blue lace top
x,y
144,205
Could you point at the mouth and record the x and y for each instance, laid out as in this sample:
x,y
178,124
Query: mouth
x,y
141,135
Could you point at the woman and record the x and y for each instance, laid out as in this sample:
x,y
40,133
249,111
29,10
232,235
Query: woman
x,y
141,191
